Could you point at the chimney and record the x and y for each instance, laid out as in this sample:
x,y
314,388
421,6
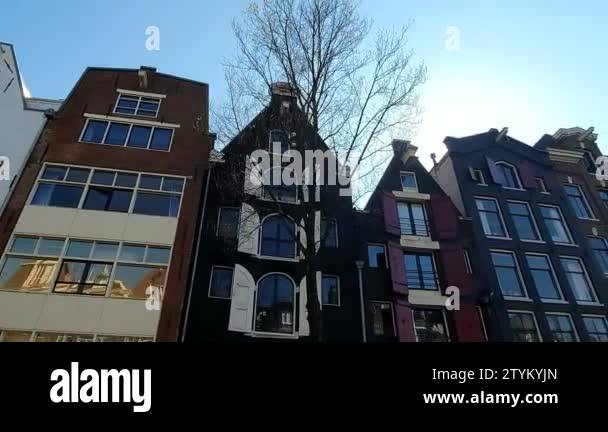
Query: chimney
x,y
283,89
434,159
145,76
403,149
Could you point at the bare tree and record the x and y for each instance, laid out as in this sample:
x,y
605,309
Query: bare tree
x,y
354,91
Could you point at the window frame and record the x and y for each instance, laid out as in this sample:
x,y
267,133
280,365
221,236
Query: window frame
x,y
420,272
558,287
563,222
139,99
131,124
219,220
413,174
585,273
337,278
500,217
572,324
520,311
583,198
479,177
525,296
295,240
443,314
410,213
393,321
604,201
542,185
467,261
385,257
515,174
593,316
213,267
335,224
296,311
530,217
604,240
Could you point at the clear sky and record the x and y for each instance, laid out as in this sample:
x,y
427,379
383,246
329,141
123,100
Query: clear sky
x,y
534,66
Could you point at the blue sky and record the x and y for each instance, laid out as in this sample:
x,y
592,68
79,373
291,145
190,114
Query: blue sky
x,y
534,66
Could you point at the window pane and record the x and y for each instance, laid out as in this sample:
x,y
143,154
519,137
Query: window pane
x,y
522,219
51,247
150,182
79,249
278,237
54,173
106,199
555,225
229,222
430,326
221,283
523,327
24,245
330,291
544,279
78,175
127,105
575,197
94,131
577,279
156,204
27,274
132,253
597,328
382,320
117,134
375,256
49,337
161,139
15,336
507,274
103,177
56,195
329,235
148,107
275,305
126,180
561,328
139,137
131,281
408,181
105,251
173,184
83,277
158,255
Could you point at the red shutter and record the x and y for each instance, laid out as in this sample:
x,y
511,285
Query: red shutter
x,y
526,172
467,324
454,270
391,218
445,217
493,170
404,321
398,275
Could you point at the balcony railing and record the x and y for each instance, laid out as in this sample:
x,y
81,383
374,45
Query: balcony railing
x,y
417,227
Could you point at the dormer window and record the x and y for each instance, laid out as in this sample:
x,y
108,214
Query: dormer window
x,y
477,176
408,181
507,176
137,105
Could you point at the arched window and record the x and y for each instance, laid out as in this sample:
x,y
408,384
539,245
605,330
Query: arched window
x,y
507,175
275,304
278,237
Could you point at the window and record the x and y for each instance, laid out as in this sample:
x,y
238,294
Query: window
x,y
578,279
600,252
220,285
604,197
544,277
540,185
228,223
477,175
275,305
383,323
597,328
278,237
331,290
523,220
278,136
507,176
524,327
137,105
15,336
412,219
507,272
408,181
62,186
578,201
430,325
554,221
85,267
127,134
491,219
376,256
562,328
329,233
467,262
420,270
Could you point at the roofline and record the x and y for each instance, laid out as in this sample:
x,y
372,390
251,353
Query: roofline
x,y
113,69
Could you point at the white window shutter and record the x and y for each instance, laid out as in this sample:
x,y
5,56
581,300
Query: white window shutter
x,y
249,230
304,326
253,179
317,230
241,306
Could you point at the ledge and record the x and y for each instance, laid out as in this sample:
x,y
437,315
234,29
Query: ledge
x,y
418,242
426,297
411,196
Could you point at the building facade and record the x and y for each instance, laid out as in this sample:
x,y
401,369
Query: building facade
x,y
21,120
98,234
530,248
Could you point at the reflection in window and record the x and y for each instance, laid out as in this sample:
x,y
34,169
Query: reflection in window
x,y
508,275
131,281
221,282
420,271
27,274
543,276
331,290
578,201
156,204
83,277
57,195
430,325
329,233
597,328
523,221
278,237
491,219
507,176
15,336
577,279
275,305
376,256
523,326
412,219
555,224
108,199
408,181
562,328
228,223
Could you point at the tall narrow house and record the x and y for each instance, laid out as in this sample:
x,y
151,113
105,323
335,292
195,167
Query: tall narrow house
x,y
97,237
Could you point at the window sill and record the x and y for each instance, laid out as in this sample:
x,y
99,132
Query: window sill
x,y
565,244
588,219
534,241
498,238
554,301
521,299
272,335
125,146
515,189
271,258
296,202
586,303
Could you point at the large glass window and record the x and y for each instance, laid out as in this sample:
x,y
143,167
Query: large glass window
x,y
554,221
430,325
228,223
94,131
507,175
523,220
275,312
524,327
412,219
597,328
330,287
420,270
329,233
83,277
562,328
578,201
491,219
278,237
127,134
220,285
507,272
137,105
109,191
600,252
544,276
376,256
579,281
132,281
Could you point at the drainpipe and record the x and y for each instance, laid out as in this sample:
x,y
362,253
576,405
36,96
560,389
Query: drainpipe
x,y
359,265
198,245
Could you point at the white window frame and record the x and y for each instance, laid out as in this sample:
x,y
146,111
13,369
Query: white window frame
x,y
585,202
526,296
563,221
595,300
605,241
445,321
515,172
296,255
139,97
219,219
406,173
427,223
500,215
519,311
576,335
531,215
339,290
385,256
555,279
211,280
392,307
602,317
88,184
296,312
131,124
